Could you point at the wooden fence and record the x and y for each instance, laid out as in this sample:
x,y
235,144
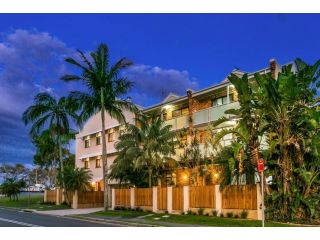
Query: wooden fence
x,y
162,198
51,195
143,197
239,197
122,197
202,197
177,198
90,199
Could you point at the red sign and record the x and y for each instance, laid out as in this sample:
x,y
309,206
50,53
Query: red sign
x,y
260,165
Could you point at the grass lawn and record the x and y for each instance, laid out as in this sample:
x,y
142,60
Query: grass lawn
x,y
35,203
120,213
212,221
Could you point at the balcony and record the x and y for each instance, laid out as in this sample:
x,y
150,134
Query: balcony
x,y
212,114
178,122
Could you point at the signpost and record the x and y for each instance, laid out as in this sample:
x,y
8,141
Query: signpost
x,y
260,169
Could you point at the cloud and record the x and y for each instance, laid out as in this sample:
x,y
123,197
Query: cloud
x,y
30,62
157,83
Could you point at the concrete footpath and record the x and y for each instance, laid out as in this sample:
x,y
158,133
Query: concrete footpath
x,y
68,212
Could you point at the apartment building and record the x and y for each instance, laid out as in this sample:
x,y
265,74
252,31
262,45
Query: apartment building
x,y
195,110
89,145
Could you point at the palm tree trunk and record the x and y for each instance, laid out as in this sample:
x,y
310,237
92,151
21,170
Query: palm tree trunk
x,y
150,176
104,161
64,190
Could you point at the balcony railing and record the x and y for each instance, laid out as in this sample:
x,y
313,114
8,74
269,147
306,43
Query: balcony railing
x,y
178,122
212,114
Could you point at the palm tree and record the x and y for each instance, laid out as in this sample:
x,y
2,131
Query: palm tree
x,y
151,144
77,179
104,86
53,114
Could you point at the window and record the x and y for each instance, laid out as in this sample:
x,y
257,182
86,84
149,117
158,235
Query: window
x,y
110,137
222,100
180,112
98,162
87,142
86,163
98,140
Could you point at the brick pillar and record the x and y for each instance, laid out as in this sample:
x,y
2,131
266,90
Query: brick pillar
x,y
75,200
259,202
169,199
113,198
58,196
274,68
190,106
185,199
218,196
154,199
45,196
132,197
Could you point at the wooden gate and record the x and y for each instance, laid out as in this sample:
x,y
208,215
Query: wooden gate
x,y
202,197
162,198
122,197
177,198
239,197
143,197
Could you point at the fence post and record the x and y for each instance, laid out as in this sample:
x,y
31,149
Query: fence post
x,y
75,200
218,196
113,198
58,196
154,199
45,196
185,199
259,202
132,198
169,199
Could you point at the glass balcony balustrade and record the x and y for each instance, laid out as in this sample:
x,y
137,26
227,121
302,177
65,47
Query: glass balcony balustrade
x,y
178,122
212,114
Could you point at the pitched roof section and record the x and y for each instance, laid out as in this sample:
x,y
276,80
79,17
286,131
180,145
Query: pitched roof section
x,y
170,97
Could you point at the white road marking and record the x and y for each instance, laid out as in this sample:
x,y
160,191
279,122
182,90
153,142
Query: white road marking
x,y
19,223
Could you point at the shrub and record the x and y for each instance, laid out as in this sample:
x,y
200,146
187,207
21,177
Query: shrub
x,y
207,214
214,213
139,209
236,216
200,211
117,208
230,214
244,214
189,212
221,215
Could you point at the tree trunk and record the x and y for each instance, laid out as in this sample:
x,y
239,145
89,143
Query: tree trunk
x,y
150,176
62,171
104,161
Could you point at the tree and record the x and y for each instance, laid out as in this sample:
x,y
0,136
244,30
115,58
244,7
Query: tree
x,y
77,179
54,114
293,136
11,188
17,171
150,143
105,87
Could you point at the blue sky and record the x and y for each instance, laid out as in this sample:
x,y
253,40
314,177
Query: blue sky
x,y
171,52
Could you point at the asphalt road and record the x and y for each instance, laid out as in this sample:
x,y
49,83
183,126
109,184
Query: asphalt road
x,y
15,218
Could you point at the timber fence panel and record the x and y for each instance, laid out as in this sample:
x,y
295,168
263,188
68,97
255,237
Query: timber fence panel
x,y
51,196
177,198
90,197
202,197
143,197
162,198
122,197
239,197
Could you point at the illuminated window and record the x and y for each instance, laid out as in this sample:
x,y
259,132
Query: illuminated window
x,y
98,162
110,137
222,100
86,163
87,142
180,112
98,140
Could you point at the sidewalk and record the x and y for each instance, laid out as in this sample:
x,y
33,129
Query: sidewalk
x,y
137,221
67,212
